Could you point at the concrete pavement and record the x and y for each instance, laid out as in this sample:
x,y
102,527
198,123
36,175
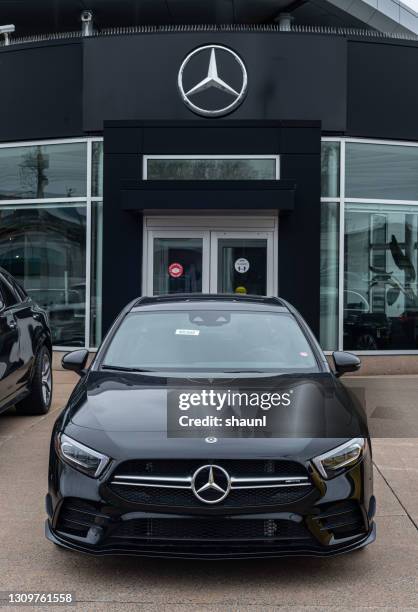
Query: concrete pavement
x,y
384,576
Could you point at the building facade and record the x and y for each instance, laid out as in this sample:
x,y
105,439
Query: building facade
x,y
246,159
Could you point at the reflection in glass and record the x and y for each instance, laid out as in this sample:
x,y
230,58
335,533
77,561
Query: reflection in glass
x,y
381,291
329,275
97,169
211,169
43,171
242,265
381,171
177,265
96,273
44,248
330,169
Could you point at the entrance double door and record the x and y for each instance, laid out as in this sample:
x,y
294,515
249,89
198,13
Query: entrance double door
x,y
210,261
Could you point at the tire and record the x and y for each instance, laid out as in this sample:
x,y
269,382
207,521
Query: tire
x,y
39,399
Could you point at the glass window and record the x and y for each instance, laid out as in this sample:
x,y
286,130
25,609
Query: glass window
x,y
177,265
381,266
330,169
379,171
211,169
200,340
242,265
43,171
329,275
97,169
44,248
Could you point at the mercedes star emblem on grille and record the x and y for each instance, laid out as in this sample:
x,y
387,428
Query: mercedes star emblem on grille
x,y
211,484
225,74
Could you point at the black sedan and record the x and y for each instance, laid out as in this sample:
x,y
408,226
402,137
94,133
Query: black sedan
x,y
210,427
25,351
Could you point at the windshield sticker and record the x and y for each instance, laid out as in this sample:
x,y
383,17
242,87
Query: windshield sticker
x,y
187,332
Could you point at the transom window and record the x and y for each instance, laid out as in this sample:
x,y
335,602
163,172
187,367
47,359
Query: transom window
x,y
211,167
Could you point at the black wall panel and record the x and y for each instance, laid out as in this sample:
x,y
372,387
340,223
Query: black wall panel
x,y
358,87
383,90
290,76
122,239
299,236
41,91
210,139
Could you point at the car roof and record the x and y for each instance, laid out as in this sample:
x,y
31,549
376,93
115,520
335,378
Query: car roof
x,y
209,301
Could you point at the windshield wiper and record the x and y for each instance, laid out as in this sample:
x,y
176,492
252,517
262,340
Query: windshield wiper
x,y
124,368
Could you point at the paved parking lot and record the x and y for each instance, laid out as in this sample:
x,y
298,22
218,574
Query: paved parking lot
x,y
383,576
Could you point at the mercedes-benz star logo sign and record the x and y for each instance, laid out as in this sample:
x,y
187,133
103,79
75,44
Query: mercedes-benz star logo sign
x,y
212,80
211,484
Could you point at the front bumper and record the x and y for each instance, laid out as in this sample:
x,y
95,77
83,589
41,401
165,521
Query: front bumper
x,y
217,553
325,519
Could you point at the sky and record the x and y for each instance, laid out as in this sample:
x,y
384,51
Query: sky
x,y
413,4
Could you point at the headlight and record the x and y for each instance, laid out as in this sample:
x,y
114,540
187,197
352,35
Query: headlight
x,y
81,457
343,456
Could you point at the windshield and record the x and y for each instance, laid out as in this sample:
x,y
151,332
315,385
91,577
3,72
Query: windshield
x,y
210,341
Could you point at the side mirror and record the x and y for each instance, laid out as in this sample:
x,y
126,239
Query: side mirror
x,y
75,361
345,362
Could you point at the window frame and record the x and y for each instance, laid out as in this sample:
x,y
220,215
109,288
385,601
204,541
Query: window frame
x,y
87,200
342,200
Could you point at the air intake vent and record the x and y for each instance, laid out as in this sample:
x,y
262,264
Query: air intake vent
x,y
343,520
211,529
77,516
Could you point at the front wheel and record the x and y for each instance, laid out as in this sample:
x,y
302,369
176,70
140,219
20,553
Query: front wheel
x,y
39,399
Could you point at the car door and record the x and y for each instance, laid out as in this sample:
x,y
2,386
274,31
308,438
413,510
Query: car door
x,y
10,359
30,322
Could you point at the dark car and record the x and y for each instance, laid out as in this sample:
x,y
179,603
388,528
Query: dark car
x,y
138,465
25,350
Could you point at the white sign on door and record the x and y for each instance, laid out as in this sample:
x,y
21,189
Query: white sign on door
x,y
242,265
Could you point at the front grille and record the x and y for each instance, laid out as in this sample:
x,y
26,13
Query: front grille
x,y
184,497
209,530
186,467
163,483
343,520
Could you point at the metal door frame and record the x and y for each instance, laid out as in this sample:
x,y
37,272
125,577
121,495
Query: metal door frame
x,y
249,234
210,228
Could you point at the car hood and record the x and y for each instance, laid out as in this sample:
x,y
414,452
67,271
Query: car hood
x,y
112,410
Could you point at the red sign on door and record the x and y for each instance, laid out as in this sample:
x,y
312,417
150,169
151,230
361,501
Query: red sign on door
x,y
175,270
